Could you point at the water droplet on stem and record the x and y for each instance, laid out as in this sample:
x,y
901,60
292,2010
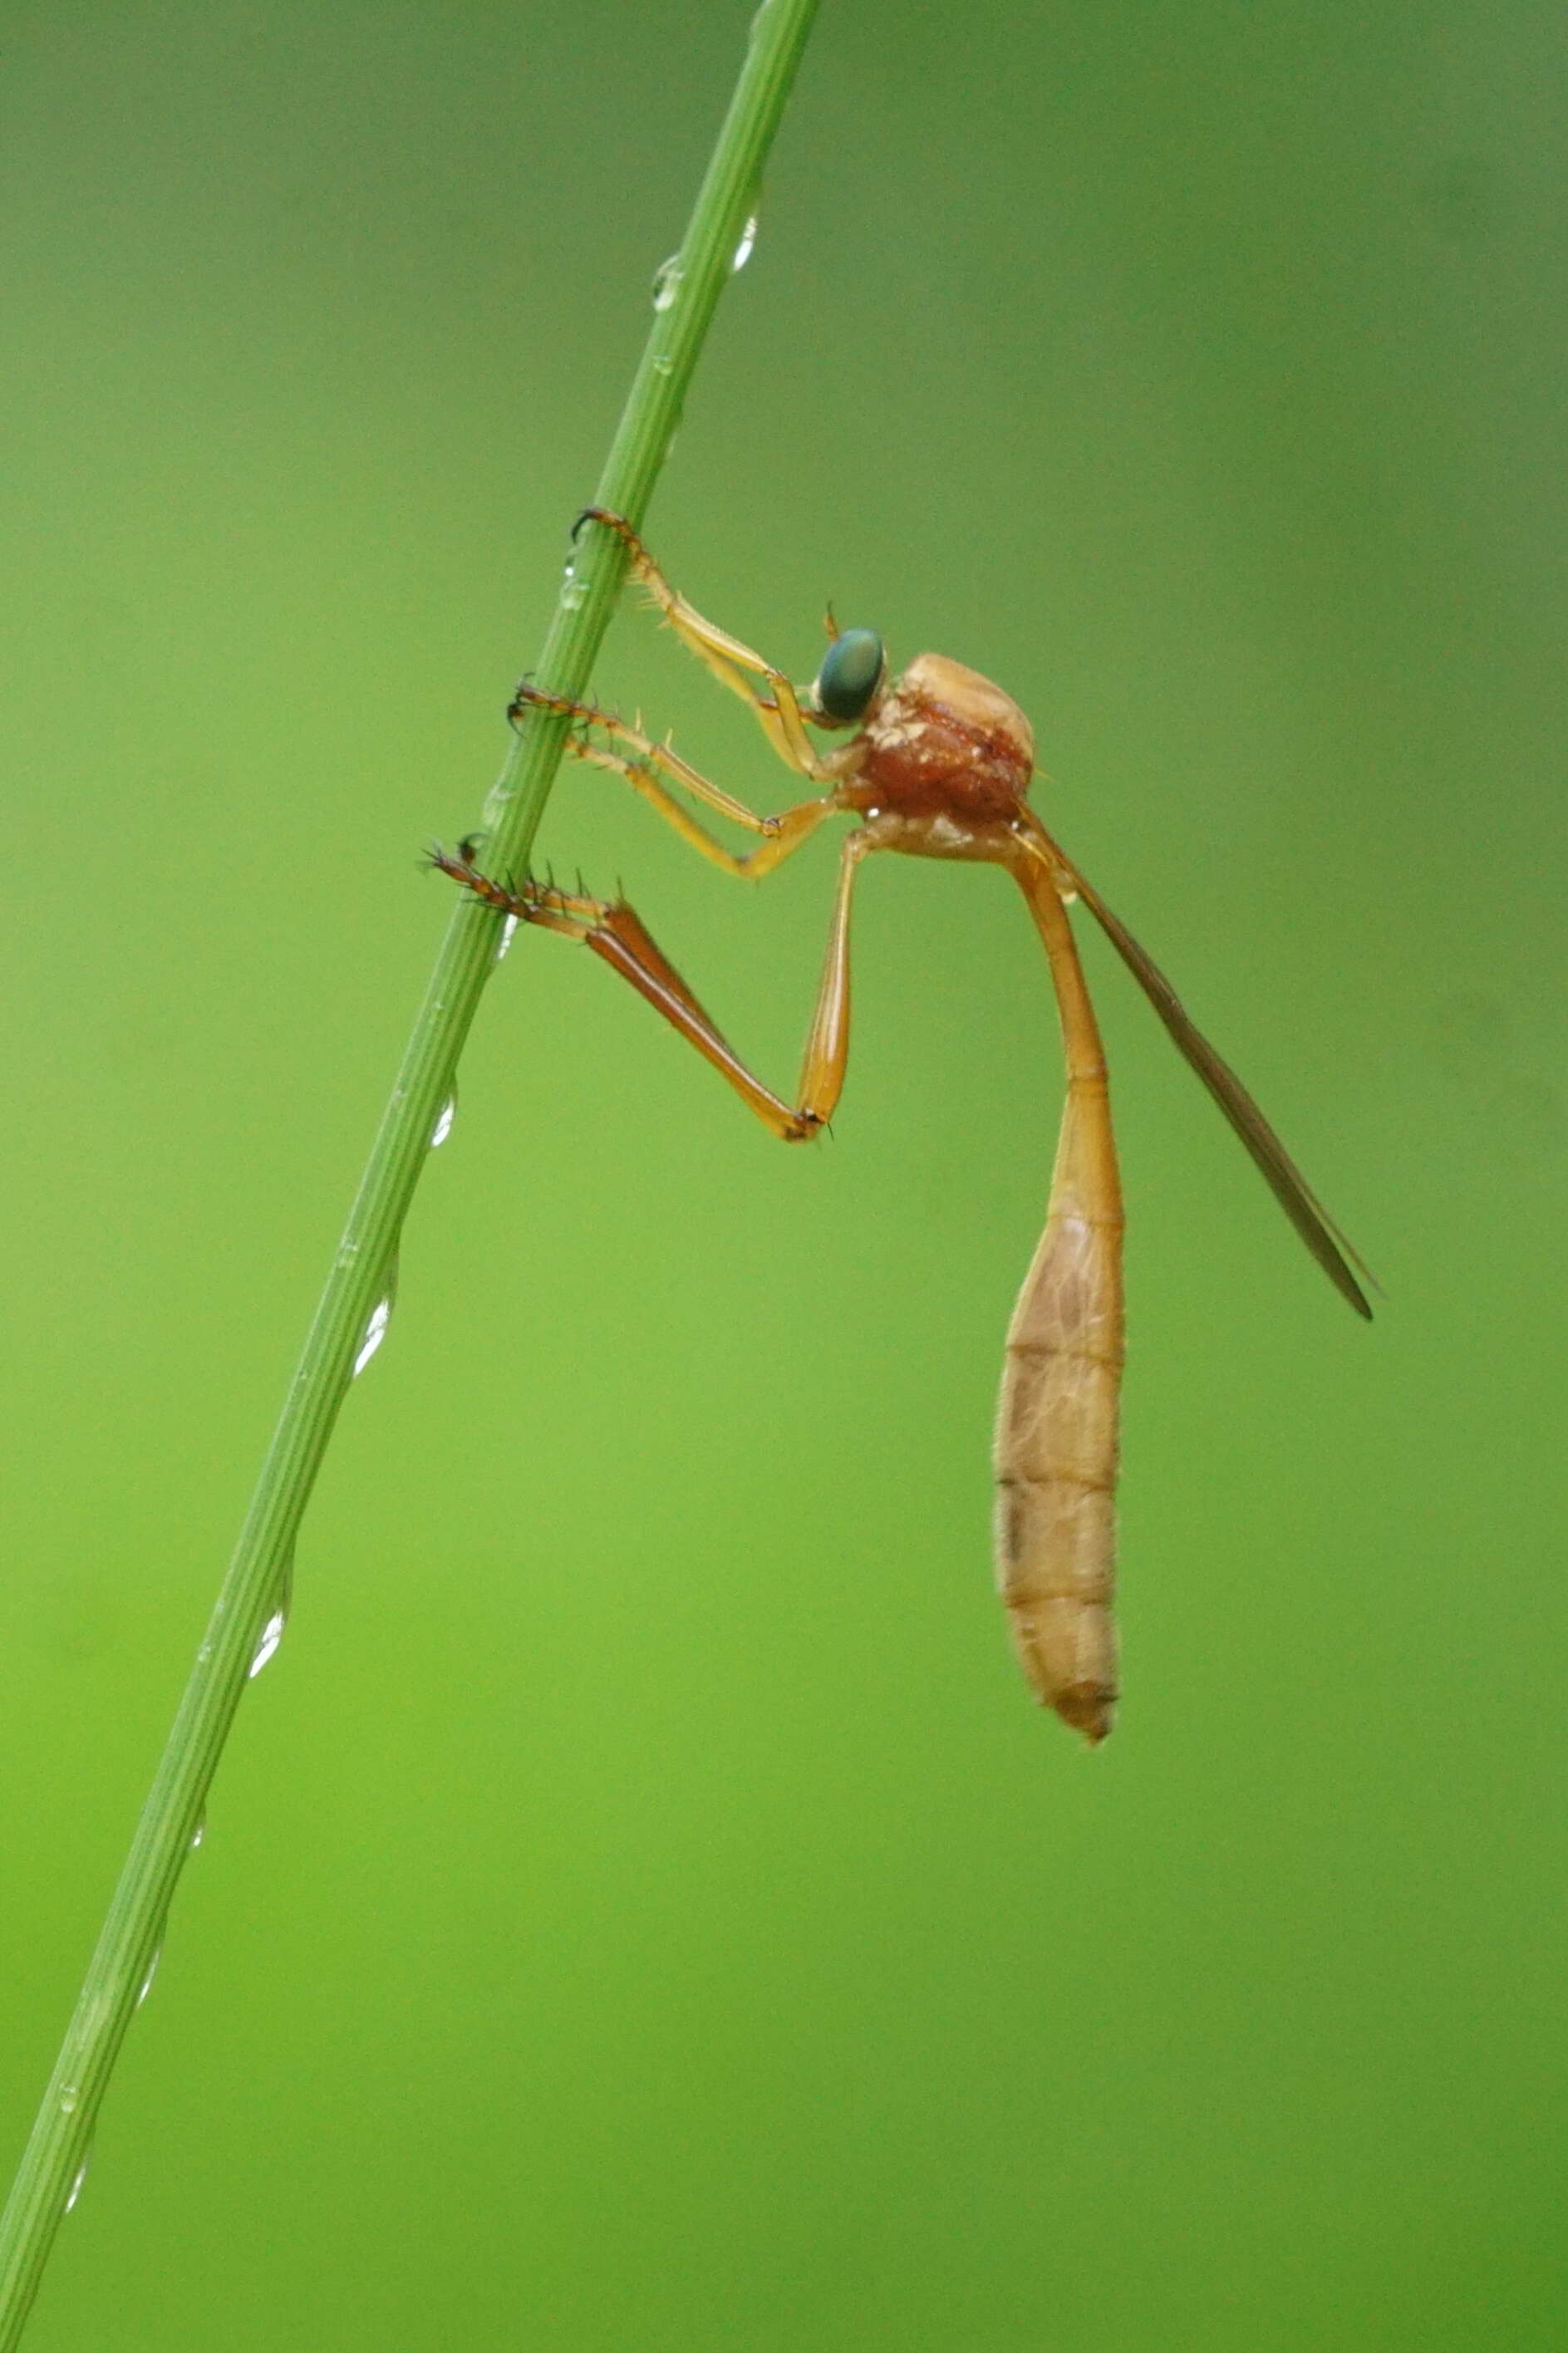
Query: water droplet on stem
x,y
667,282
374,1333
267,1647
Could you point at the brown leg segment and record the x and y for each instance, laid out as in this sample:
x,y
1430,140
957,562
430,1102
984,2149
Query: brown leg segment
x,y
616,934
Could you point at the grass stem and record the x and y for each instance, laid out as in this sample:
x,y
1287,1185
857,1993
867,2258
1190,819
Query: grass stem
x,y
255,1590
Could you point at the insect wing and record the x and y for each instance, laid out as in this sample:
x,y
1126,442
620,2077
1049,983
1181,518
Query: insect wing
x,y
1334,1252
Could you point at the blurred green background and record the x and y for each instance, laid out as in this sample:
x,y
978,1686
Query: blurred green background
x,y
640,1907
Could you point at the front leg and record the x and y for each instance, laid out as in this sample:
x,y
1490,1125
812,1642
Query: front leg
x,y
732,662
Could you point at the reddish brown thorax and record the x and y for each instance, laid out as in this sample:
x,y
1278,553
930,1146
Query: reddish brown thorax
x,y
944,741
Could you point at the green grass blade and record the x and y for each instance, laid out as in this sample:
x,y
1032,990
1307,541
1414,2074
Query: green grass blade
x,y
256,1585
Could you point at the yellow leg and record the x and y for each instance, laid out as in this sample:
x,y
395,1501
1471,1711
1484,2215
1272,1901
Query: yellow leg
x,y
732,662
645,775
827,1043
660,758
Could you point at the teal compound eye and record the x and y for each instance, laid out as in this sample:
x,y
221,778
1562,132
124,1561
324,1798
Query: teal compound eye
x,y
851,672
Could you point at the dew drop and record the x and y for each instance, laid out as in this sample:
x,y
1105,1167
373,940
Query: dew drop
x,y
443,1127
663,363
574,595
198,1836
74,2192
508,931
667,282
69,2094
146,1988
744,250
272,1635
374,1333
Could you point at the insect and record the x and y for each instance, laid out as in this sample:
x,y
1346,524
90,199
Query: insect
x,y
937,764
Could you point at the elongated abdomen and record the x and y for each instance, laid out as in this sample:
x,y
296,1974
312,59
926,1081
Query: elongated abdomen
x,y
1057,1426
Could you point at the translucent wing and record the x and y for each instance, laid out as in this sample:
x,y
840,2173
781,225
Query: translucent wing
x,y
1332,1249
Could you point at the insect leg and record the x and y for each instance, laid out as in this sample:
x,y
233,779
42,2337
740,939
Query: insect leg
x,y
660,757
616,934
782,835
731,660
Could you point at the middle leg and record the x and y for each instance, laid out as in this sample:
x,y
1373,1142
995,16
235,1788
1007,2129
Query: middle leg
x,y
655,767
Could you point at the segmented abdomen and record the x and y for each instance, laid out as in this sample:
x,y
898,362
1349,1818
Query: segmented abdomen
x,y
1056,1431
